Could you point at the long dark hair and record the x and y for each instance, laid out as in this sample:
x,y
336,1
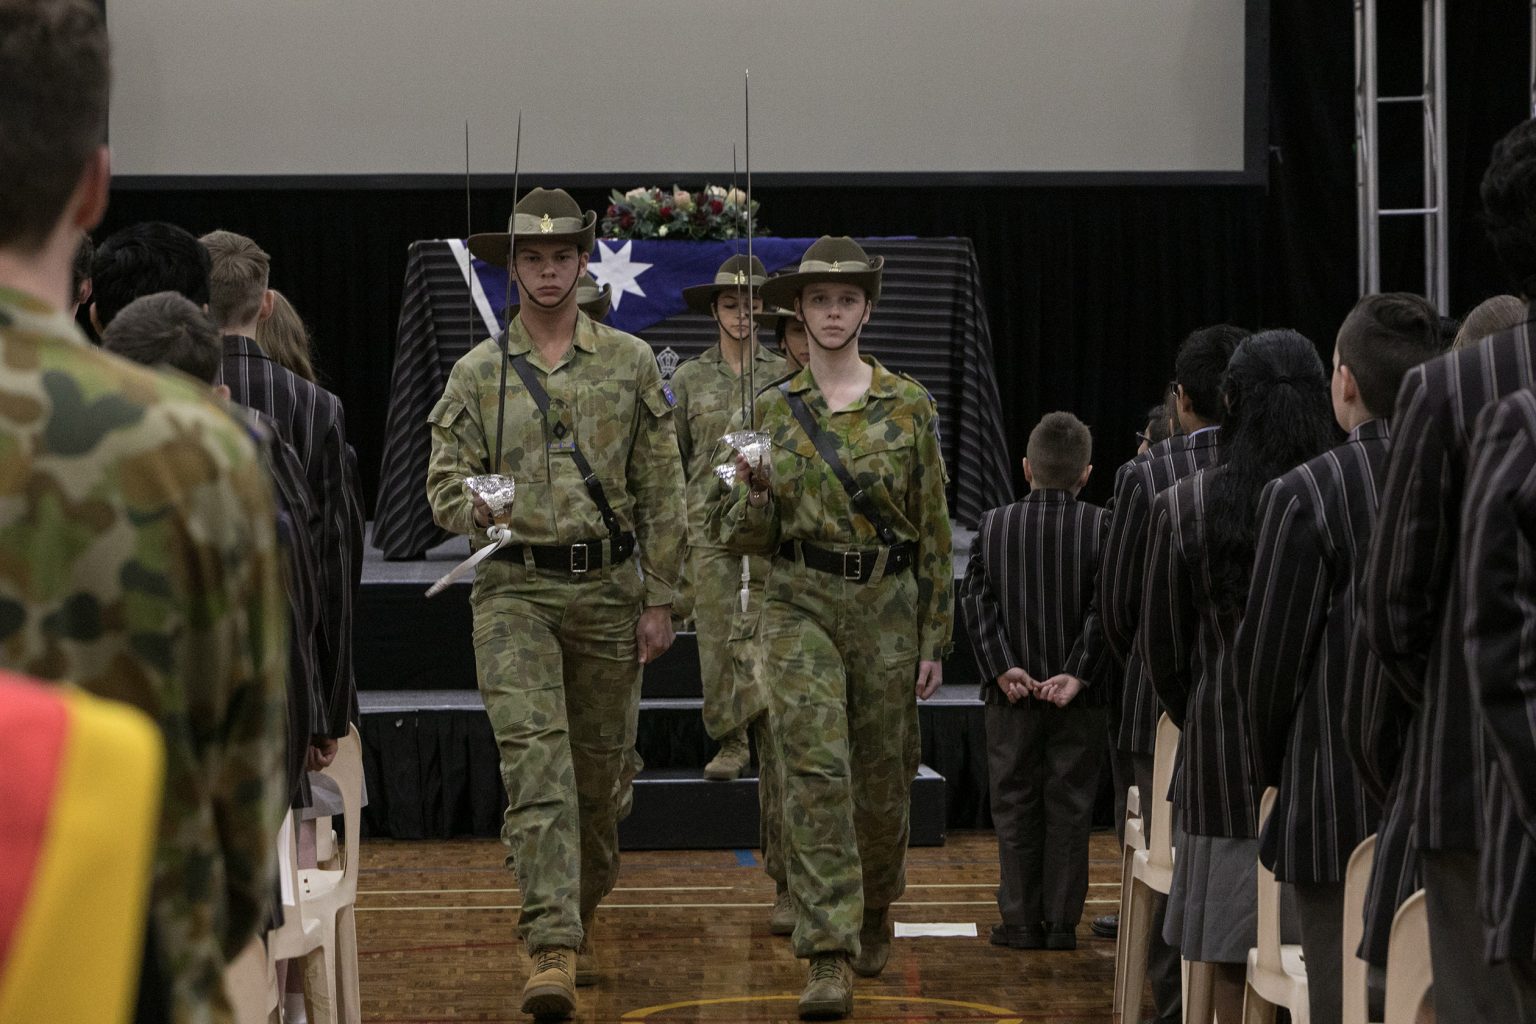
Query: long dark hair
x,y
1278,415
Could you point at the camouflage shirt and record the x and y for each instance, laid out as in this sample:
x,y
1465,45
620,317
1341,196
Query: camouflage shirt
x,y
606,394
709,402
889,441
138,560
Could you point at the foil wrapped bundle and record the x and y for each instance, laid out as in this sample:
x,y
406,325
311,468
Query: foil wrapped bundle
x,y
726,471
752,445
495,489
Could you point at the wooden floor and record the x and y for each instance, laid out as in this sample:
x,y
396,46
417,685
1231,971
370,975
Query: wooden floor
x,y
685,938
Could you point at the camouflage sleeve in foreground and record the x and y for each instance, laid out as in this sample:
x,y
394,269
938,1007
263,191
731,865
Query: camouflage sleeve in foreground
x,y
458,451
929,512
655,481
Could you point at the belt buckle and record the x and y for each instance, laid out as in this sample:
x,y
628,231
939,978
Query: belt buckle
x,y
586,559
855,559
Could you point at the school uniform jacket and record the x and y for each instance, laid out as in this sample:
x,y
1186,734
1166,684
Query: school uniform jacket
x,y
1293,659
1186,642
1123,579
310,419
1412,617
1027,588
1498,581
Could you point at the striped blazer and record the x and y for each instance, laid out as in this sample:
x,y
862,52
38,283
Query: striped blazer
x,y
1498,584
1186,643
1027,587
1411,616
310,419
1292,655
1123,578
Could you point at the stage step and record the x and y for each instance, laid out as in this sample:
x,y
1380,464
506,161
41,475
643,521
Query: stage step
x,y
434,771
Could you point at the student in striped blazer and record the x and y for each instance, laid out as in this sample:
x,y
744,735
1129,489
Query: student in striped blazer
x,y
1025,593
310,418
1292,652
1195,398
1413,617
1498,579
1199,564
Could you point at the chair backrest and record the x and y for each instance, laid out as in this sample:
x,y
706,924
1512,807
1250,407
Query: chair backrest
x,y
287,939
1352,977
1268,928
347,772
1160,851
1409,972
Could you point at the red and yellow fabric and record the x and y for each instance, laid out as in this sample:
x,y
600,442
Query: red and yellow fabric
x,y
80,790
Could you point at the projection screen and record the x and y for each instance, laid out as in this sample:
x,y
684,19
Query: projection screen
x,y
649,89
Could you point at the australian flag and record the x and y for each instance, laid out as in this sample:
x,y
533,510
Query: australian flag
x,y
647,275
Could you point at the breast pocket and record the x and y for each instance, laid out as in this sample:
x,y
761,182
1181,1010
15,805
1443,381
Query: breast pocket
x,y
880,458
605,425
522,432
797,469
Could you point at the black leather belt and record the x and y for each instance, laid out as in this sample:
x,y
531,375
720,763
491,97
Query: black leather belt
x,y
574,559
856,565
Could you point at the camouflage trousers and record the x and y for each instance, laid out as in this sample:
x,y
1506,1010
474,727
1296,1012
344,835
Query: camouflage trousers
x,y
733,688
843,718
556,661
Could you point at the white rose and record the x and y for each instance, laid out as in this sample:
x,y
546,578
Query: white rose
x,y
662,230
635,193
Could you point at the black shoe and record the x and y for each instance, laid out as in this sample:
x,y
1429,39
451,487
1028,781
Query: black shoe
x,y
1016,937
1060,936
1106,927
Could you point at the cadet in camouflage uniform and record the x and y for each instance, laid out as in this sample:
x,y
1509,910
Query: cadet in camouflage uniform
x,y
711,392
138,557
857,614
562,619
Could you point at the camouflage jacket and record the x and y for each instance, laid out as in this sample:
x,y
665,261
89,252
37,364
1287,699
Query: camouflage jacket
x,y
138,560
606,394
890,443
709,402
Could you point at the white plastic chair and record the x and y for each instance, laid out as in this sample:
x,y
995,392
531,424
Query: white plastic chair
x,y
1352,975
1409,971
296,938
1276,974
1135,839
1151,871
329,897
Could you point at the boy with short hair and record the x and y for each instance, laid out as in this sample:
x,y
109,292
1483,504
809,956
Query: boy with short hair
x,y
1026,593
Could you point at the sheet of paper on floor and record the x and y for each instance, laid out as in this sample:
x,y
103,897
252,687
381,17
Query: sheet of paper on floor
x,y
944,929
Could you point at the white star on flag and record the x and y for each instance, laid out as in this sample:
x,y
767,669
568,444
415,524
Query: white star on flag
x,y
614,267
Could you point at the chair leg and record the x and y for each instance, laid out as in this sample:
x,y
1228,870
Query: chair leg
x,y
1117,1006
346,965
1199,992
1131,970
320,980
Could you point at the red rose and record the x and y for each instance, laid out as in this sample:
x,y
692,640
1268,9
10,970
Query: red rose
x,y
627,221
666,213
613,211
716,206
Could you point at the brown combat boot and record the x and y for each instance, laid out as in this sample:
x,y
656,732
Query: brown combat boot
x,y
782,921
828,991
732,758
587,971
551,990
874,944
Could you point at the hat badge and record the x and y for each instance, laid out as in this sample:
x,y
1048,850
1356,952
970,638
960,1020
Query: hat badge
x,y
836,266
741,277
546,225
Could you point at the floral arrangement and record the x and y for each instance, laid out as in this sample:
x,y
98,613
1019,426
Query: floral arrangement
x,y
713,214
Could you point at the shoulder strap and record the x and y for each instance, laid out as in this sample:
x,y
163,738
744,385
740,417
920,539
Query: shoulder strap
x,y
827,449
530,378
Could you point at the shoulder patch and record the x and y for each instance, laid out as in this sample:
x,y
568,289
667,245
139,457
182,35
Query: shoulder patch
x,y
666,391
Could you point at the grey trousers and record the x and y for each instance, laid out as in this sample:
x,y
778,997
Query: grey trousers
x,y
1043,767
1164,970
1320,907
1523,978
1468,989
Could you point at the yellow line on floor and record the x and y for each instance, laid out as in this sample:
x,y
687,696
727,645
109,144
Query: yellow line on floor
x,y
654,888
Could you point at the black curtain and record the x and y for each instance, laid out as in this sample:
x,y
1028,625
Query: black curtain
x,y
1089,289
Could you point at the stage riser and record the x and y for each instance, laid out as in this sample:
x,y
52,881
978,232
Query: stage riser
x,y
436,774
